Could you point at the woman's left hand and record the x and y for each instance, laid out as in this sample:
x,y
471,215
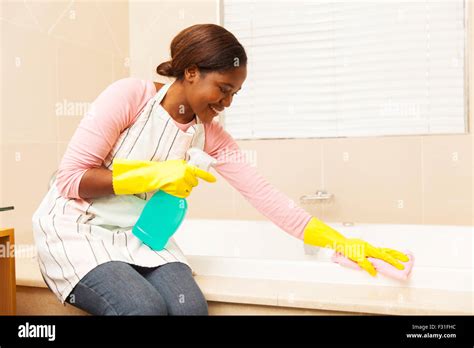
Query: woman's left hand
x,y
359,250
319,234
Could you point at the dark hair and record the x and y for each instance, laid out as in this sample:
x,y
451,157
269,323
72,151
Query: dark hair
x,y
208,46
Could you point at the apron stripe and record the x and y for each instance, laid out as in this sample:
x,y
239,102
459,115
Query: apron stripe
x,y
54,205
172,144
159,140
128,132
64,248
156,149
87,210
169,252
126,245
110,258
141,130
42,266
89,242
92,249
192,138
105,248
65,205
157,253
49,249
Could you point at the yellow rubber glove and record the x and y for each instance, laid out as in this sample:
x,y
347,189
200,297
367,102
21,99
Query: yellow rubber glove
x,y
175,177
319,234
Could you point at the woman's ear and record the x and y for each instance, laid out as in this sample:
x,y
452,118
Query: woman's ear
x,y
191,73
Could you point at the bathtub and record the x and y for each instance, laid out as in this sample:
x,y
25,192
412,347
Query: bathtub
x,y
261,250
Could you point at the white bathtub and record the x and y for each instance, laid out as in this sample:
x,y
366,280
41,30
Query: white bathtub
x,y
259,249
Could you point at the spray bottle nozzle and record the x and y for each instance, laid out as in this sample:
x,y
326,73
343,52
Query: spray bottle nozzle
x,y
200,159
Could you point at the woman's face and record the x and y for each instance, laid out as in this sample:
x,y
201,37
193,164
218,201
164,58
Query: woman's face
x,y
210,93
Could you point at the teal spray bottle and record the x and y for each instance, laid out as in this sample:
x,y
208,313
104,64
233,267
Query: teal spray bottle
x,y
164,213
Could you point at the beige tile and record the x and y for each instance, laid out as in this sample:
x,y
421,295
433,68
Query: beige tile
x,y
79,87
61,150
373,179
292,166
116,39
447,180
121,67
91,24
115,16
19,14
28,77
156,23
26,183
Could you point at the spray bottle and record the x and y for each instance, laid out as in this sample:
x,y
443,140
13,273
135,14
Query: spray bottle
x,y
164,213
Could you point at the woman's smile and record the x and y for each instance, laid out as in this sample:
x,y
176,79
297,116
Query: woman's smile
x,y
215,110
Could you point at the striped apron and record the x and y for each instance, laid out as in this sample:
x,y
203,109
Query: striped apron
x,y
73,236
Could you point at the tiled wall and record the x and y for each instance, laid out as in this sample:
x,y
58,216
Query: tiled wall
x,y
153,24
55,58
403,180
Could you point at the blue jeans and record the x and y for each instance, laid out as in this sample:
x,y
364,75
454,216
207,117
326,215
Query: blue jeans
x,y
119,288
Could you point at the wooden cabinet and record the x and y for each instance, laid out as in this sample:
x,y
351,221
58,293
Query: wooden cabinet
x,y
7,272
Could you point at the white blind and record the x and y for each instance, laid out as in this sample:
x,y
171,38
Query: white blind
x,y
350,68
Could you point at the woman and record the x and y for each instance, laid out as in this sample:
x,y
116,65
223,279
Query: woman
x,y
132,143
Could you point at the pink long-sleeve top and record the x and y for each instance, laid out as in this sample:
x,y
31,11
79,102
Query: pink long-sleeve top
x,y
117,107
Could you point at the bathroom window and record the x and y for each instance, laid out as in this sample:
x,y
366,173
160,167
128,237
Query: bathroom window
x,y
337,69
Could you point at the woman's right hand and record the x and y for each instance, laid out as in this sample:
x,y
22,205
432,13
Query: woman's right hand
x,y
175,177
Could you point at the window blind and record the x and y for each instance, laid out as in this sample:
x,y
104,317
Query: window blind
x,y
340,68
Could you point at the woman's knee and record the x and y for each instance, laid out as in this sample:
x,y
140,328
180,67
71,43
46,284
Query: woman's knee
x,y
175,282
87,299
117,289
199,308
189,304
152,304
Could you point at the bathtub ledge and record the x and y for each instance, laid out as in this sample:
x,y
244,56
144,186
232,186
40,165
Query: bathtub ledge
x,y
336,297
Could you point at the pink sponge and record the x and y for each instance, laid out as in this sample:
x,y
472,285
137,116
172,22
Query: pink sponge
x,y
380,265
